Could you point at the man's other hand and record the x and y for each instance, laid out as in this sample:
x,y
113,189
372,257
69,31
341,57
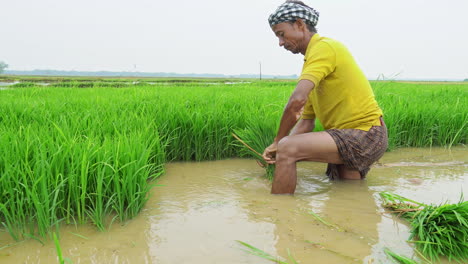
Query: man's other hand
x,y
269,155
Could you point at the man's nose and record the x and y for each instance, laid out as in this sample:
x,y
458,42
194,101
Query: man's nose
x,y
281,42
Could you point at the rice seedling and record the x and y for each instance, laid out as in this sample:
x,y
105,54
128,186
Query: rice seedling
x,y
269,168
260,253
436,230
321,220
398,258
61,259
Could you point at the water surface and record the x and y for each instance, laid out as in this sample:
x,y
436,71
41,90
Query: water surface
x,y
202,208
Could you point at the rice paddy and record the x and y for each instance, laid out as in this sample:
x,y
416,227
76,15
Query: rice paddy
x,y
84,151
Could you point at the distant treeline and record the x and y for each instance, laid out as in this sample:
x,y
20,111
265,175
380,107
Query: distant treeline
x,y
144,74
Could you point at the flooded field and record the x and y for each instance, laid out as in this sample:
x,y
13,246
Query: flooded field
x,y
199,210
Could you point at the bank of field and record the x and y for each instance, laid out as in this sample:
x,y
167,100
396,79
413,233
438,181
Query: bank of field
x,y
84,151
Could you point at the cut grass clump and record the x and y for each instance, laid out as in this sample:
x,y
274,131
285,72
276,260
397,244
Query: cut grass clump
x,y
436,230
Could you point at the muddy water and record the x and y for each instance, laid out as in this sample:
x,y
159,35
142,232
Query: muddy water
x,y
201,209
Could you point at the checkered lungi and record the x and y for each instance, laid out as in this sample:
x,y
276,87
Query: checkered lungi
x,y
358,149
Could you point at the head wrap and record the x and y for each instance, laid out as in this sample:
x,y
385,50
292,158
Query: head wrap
x,y
291,11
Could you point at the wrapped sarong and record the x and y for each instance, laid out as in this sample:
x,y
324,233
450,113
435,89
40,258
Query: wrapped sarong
x,y
358,149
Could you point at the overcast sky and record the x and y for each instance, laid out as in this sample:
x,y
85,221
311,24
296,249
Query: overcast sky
x,y
408,38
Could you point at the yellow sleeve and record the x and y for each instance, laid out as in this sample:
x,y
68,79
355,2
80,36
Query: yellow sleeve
x,y
319,63
308,112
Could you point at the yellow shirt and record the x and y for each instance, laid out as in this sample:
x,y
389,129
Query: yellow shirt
x,y
342,97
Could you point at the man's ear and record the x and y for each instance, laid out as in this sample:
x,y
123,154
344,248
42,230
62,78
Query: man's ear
x,y
301,24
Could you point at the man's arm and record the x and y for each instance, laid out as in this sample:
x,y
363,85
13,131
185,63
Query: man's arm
x,y
293,108
303,126
290,115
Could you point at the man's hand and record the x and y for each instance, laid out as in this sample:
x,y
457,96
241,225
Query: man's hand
x,y
269,155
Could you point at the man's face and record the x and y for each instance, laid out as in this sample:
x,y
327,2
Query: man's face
x,y
289,35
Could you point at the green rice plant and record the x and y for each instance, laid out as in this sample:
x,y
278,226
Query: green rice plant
x,y
436,230
320,219
424,114
398,258
71,160
85,149
256,135
61,259
260,253
269,168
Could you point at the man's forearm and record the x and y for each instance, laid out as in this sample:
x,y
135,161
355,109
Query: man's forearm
x,y
293,108
303,126
288,120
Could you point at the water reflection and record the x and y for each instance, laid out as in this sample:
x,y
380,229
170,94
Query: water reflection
x,y
3,84
351,217
438,176
202,214
84,244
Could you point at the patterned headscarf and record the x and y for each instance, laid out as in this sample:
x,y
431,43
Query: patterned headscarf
x,y
291,11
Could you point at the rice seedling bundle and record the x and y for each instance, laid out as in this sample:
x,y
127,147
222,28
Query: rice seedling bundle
x,y
254,138
436,230
255,152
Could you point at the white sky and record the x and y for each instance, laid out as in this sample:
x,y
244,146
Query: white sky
x,y
412,38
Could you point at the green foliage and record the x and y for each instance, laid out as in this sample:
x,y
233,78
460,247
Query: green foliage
x,y
258,134
75,152
437,230
424,115
58,248
73,159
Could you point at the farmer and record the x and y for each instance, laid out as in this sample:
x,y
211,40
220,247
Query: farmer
x,y
331,88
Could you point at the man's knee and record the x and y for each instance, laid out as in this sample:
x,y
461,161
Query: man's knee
x,y
286,147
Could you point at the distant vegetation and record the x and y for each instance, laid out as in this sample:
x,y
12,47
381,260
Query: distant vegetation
x,y
3,66
80,150
145,74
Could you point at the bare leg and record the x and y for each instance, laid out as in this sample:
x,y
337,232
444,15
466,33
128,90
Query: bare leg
x,y
314,146
348,174
285,178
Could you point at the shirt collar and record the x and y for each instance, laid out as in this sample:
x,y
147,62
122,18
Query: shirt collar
x,y
315,38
